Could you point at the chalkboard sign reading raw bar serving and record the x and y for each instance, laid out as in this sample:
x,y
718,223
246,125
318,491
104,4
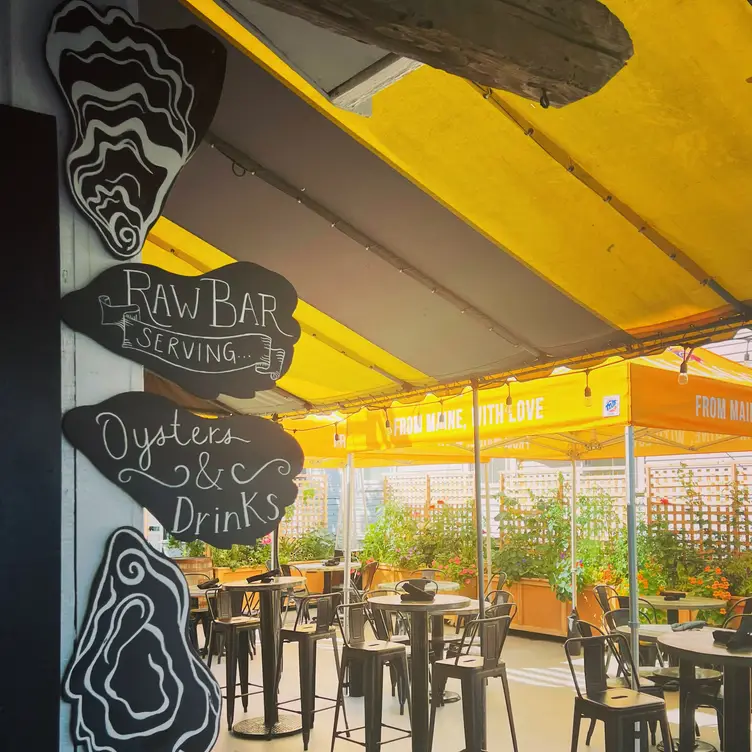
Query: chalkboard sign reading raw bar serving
x,y
230,331
223,481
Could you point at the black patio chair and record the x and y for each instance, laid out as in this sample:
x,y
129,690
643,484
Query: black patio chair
x,y
476,660
618,708
623,677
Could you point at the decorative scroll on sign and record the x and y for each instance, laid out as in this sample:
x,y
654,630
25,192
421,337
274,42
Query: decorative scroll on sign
x,y
230,331
141,102
223,481
134,681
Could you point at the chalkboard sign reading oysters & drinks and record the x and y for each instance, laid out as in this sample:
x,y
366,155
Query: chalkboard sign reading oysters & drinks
x,y
223,481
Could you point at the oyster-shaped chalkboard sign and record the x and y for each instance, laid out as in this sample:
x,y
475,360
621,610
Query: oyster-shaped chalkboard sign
x,y
223,481
134,681
141,102
230,331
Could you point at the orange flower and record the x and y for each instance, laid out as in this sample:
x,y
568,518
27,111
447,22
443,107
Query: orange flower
x,y
723,612
717,570
707,569
700,582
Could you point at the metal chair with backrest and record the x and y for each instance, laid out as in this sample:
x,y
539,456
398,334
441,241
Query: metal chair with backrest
x,y
296,593
477,659
233,631
619,708
500,580
363,581
741,614
493,597
307,636
619,617
372,655
622,678
199,614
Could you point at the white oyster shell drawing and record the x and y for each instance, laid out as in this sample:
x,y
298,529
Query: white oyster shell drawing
x,y
135,682
141,101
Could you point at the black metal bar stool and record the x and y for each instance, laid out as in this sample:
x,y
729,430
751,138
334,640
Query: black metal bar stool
x,y
372,656
234,631
618,708
475,660
307,636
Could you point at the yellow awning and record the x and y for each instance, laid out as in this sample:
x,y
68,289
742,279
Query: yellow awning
x,y
551,418
631,200
461,235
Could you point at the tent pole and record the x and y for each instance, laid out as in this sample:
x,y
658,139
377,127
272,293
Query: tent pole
x,y
478,502
573,533
349,498
634,617
487,485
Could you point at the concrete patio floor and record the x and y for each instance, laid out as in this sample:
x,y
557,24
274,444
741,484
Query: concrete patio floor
x,y
541,687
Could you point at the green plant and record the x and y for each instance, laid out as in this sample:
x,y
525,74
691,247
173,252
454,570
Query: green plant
x,y
241,556
315,544
192,549
391,538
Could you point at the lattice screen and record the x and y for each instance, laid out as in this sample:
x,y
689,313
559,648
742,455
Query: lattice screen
x,y
519,485
421,492
310,509
713,484
729,526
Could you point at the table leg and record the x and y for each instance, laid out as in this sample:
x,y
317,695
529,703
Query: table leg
x,y
327,583
686,716
736,705
420,705
672,616
272,724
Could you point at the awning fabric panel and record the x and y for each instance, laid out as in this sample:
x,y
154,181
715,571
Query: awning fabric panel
x,y
669,137
549,419
704,405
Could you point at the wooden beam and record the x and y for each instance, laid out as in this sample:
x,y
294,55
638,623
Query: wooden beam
x,y
558,51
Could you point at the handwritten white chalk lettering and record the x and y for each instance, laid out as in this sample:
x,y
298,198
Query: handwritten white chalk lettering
x,y
224,481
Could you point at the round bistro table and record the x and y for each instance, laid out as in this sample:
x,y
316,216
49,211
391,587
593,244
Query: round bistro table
x,y
690,603
698,648
272,724
437,626
418,613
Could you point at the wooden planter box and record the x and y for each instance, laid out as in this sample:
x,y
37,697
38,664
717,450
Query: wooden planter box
x,y
385,573
195,565
539,610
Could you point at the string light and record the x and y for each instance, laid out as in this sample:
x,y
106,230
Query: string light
x,y
510,401
336,434
441,414
387,424
588,391
684,367
746,355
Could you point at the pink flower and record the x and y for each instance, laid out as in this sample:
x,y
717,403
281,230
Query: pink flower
x,y
266,540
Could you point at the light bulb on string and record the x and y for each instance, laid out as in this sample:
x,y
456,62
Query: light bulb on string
x,y
684,367
746,355
441,415
509,400
588,391
336,434
387,424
